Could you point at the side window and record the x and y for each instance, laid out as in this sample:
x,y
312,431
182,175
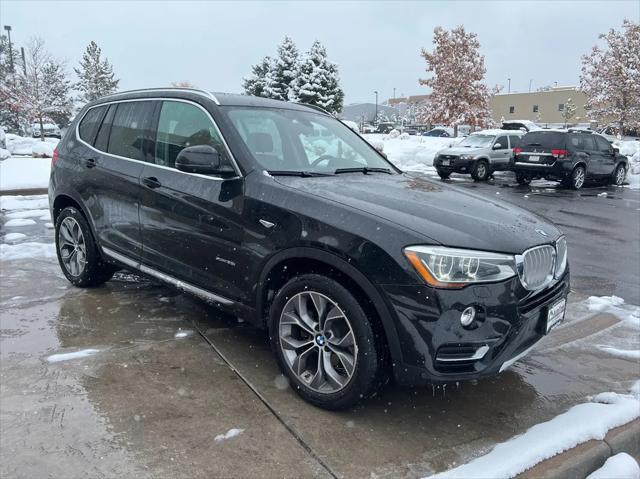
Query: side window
x,y
504,144
603,145
514,140
577,141
262,137
129,130
89,124
102,140
182,125
589,143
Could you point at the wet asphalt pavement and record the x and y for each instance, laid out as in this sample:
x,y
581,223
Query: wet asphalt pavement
x,y
133,379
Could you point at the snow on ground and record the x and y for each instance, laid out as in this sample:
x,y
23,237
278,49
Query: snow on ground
x,y
411,153
19,211
632,150
229,434
21,145
615,306
19,222
27,250
56,358
24,173
17,203
581,423
620,466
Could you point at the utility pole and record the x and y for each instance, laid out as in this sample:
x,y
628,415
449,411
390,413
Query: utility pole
x,y
394,93
8,29
375,118
509,91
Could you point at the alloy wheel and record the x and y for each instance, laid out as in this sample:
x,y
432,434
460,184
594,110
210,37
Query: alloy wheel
x,y
72,247
620,174
317,342
481,170
578,178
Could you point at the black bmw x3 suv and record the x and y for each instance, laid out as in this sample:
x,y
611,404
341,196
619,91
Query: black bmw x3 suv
x,y
278,213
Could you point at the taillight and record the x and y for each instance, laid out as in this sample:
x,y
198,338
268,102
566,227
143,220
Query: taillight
x,y
517,150
54,158
559,153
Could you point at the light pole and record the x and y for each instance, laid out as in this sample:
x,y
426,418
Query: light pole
x,y
8,29
530,82
509,90
375,118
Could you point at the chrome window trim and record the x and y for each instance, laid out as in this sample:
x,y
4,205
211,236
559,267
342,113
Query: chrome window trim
x,y
197,91
181,285
224,141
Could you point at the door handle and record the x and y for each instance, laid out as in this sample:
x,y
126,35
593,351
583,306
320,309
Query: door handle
x,y
151,182
90,162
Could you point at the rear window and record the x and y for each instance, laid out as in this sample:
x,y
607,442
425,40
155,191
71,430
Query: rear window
x,y
89,124
544,139
129,136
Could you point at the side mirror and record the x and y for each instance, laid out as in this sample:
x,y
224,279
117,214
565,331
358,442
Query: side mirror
x,y
497,146
202,159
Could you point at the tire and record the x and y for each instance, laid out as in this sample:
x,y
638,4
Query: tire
x,y
298,343
443,174
576,180
522,179
77,251
480,171
619,174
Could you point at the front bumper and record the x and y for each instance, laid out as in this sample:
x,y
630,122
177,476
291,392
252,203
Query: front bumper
x,y
435,347
456,164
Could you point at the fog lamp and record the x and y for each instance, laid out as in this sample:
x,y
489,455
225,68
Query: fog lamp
x,y
467,316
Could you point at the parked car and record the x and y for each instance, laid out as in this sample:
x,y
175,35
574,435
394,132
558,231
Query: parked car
x,y
366,128
569,156
50,130
410,131
351,124
384,127
441,132
358,271
521,125
480,154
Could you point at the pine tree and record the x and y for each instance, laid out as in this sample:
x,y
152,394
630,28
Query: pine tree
x,y
318,82
96,77
284,72
260,80
458,95
610,78
10,118
40,91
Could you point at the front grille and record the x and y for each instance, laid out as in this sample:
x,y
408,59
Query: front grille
x,y
448,157
537,267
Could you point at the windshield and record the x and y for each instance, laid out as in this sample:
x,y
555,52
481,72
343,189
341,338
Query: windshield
x,y
297,141
477,141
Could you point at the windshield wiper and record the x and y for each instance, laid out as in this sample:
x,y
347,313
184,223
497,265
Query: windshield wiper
x,y
304,174
363,169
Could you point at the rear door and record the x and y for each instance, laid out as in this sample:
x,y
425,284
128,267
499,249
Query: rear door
x,y
112,191
595,161
191,223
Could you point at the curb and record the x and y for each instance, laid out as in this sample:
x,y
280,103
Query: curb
x,y
25,192
582,460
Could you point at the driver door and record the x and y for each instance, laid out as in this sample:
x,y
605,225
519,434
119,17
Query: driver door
x,y
501,155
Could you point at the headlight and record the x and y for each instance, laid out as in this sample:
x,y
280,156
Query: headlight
x,y
467,157
455,268
561,257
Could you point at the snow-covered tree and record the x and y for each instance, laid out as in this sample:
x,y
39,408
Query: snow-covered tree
x,y
318,82
569,111
610,77
458,95
96,77
42,90
284,71
260,80
182,84
9,117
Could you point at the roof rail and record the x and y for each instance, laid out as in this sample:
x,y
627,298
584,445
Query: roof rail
x,y
315,107
206,93
581,130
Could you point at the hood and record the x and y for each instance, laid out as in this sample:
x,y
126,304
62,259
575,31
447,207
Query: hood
x,y
461,150
443,214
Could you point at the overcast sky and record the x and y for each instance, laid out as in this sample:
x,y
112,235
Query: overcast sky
x,y
375,44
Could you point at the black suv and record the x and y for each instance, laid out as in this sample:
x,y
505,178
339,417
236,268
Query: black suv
x,y
569,156
279,214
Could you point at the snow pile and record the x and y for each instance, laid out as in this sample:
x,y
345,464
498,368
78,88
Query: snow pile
x,y
25,146
24,173
632,150
415,153
43,149
615,306
27,250
19,202
56,358
229,434
620,466
579,424
4,154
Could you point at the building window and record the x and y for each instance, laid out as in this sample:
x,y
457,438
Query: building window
x,y
535,108
512,109
560,106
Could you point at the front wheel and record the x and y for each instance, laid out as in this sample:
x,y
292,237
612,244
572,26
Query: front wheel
x,y
325,343
77,251
619,175
443,174
480,171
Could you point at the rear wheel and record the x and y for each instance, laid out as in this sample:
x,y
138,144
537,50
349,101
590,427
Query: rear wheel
x,y
619,175
77,251
576,180
480,171
443,174
324,342
522,179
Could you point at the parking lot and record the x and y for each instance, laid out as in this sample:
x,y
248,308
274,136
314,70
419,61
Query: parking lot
x,y
134,379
